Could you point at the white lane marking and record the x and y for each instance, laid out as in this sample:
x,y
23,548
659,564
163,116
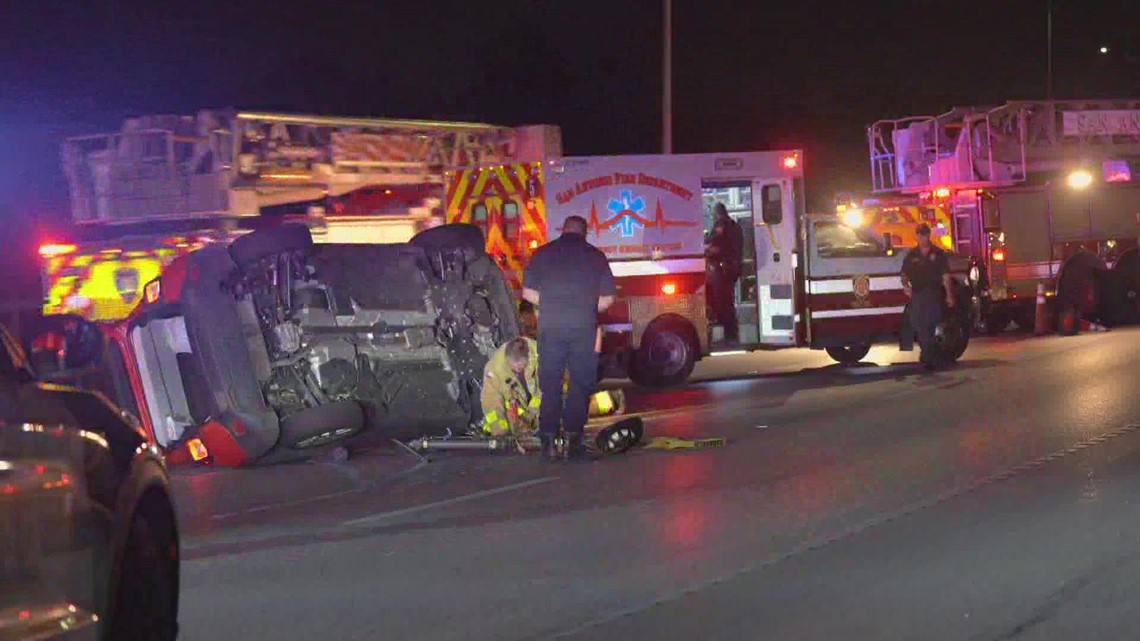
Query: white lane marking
x,y
376,518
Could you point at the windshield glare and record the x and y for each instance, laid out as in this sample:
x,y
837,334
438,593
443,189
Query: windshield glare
x,y
836,240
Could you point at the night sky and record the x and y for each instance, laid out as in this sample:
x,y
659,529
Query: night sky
x,y
748,75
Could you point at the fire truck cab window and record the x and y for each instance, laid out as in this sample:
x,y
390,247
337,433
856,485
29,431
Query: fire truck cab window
x,y
511,220
833,240
772,205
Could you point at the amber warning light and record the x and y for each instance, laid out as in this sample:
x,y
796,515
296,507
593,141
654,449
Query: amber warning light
x,y
999,255
669,289
198,450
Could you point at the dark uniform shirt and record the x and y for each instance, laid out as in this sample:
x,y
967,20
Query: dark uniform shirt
x,y
926,272
569,275
728,237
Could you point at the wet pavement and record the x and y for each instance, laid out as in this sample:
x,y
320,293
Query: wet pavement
x,y
992,500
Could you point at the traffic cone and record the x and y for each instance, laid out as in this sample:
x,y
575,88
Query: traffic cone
x,y
1041,320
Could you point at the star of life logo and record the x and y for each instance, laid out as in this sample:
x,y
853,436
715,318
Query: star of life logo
x,y
628,207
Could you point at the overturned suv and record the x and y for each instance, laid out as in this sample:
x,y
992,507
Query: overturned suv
x,y
272,347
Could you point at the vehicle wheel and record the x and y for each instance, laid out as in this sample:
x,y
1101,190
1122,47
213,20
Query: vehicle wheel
x,y
1128,286
667,355
259,244
952,338
848,354
321,425
146,603
453,236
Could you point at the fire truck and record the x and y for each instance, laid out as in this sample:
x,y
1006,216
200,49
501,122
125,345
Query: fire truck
x,y
166,185
1040,193
900,217
809,280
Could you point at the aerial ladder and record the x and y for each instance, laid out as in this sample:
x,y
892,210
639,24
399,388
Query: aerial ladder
x,y
1040,193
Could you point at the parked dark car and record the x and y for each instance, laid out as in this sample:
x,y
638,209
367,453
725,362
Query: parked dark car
x,y
88,539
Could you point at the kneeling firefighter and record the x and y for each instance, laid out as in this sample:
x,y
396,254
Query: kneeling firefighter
x,y
511,397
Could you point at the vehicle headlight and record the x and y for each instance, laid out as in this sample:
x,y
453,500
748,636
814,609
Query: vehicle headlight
x,y
853,217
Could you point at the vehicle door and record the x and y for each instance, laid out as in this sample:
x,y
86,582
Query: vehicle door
x,y
852,283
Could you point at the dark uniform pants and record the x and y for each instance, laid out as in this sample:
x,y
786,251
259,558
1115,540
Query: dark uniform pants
x,y
925,314
561,351
721,290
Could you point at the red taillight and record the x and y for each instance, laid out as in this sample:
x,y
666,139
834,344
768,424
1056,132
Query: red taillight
x,y
791,162
999,255
50,250
669,289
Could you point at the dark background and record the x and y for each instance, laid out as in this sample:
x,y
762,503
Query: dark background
x,y
748,75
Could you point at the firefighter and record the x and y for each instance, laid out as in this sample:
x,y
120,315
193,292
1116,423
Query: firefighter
x,y
570,282
725,253
926,280
511,395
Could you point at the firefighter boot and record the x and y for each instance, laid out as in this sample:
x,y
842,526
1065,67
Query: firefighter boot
x,y
576,450
549,447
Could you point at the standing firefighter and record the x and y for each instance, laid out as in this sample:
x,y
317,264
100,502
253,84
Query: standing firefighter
x,y
725,253
926,279
570,282
511,395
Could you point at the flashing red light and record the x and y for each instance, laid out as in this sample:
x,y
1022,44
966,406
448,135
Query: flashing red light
x,y
52,249
791,162
669,289
999,255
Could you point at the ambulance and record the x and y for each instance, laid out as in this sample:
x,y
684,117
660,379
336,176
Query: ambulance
x,y
809,280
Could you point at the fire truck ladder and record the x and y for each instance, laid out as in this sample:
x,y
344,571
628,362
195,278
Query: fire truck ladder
x,y
985,147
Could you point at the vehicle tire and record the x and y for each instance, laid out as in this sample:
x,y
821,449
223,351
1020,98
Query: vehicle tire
x,y
453,236
321,425
667,355
1128,286
270,241
849,354
953,339
146,601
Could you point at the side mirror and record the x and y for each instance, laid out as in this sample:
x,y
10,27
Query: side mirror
x,y
130,419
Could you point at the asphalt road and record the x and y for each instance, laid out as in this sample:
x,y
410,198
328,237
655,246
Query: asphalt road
x,y
990,501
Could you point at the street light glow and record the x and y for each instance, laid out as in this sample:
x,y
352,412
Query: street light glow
x,y
1080,179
